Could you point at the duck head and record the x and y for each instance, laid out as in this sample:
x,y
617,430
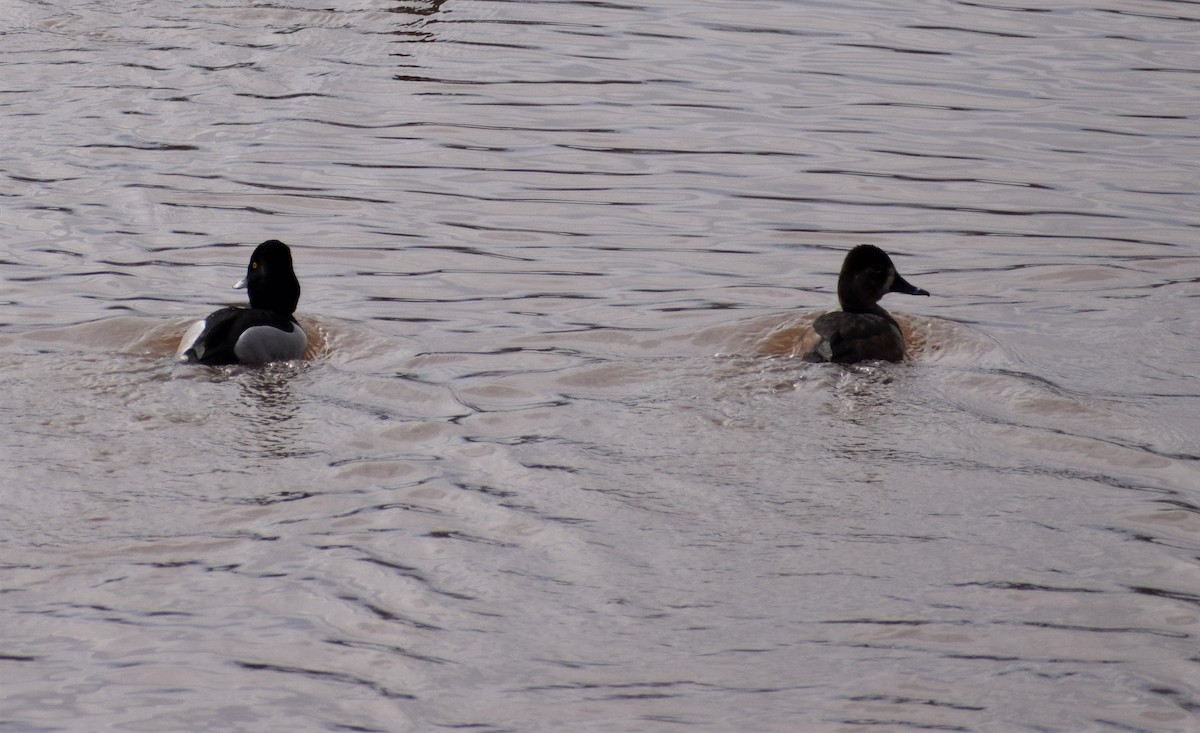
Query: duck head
x,y
270,281
867,275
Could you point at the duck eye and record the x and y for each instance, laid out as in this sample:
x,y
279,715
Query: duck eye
x,y
254,265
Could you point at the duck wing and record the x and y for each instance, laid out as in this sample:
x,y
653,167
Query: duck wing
x,y
213,346
847,338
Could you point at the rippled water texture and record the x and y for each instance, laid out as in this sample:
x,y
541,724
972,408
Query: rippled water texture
x,y
551,466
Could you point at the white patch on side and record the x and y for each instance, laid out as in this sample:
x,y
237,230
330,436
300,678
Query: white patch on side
x,y
262,344
891,279
189,338
824,350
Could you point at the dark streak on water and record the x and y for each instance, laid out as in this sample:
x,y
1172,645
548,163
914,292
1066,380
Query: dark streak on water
x,y
550,467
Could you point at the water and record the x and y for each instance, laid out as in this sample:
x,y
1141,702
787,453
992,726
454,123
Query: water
x,y
550,467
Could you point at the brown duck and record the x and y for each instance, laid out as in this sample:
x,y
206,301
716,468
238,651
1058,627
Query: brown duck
x,y
861,330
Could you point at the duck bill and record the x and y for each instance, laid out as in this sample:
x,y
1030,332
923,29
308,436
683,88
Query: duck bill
x,y
241,285
900,285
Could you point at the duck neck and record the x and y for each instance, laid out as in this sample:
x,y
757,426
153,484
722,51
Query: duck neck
x,y
284,300
858,305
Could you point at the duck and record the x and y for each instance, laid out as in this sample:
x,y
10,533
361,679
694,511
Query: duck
x,y
267,331
861,330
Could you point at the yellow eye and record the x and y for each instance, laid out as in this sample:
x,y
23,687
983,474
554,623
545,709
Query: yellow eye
x,y
254,265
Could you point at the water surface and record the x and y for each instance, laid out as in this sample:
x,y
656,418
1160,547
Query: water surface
x,y
547,470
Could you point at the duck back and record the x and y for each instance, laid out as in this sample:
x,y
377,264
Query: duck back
x,y
852,337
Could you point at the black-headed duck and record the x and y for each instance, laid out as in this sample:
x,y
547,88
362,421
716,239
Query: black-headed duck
x,y
266,331
862,330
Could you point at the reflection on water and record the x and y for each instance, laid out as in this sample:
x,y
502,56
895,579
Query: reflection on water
x,y
272,412
552,462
